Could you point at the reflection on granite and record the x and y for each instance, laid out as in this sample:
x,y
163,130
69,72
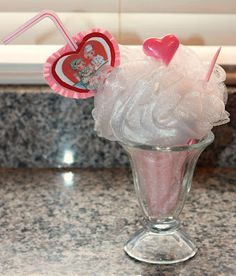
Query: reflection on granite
x,y
41,129
58,222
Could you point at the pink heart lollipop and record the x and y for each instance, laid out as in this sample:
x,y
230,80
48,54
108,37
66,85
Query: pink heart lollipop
x,y
161,48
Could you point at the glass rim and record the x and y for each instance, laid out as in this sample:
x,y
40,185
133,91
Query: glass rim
x,y
203,142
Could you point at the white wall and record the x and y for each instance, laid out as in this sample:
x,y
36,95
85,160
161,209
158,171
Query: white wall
x,y
196,22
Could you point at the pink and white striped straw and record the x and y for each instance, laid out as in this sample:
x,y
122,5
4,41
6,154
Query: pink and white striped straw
x,y
34,20
212,65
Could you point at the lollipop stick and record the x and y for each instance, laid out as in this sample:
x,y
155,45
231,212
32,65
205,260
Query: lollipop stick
x,y
212,65
34,20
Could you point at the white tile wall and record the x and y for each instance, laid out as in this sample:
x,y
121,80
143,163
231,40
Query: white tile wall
x,y
45,31
59,5
179,6
159,6
193,29
195,22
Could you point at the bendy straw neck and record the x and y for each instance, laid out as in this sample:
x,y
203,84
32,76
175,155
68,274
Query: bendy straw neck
x,y
34,20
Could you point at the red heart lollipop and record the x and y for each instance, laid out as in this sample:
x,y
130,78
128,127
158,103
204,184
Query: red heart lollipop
x,y
161,48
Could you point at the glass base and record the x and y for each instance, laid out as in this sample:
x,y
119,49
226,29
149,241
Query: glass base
x,y
160,248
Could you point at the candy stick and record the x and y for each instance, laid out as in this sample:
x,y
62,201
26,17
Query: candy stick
x,y
40,16
212,65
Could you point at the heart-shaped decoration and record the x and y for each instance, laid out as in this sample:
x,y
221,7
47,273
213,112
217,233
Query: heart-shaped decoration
x,y
76,74
161,48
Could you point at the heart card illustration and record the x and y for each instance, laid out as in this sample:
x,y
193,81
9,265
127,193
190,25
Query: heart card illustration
x,y
77,74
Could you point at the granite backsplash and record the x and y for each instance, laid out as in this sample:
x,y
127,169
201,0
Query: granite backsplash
x,y
41,129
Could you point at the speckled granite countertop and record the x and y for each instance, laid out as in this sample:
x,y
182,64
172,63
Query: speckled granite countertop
x,y
41,129
57,222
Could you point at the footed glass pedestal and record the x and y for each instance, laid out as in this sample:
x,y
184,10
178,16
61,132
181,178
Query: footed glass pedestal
x,y
162,178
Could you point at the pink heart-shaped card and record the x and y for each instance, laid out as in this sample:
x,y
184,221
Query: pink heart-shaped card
x,y
77,74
